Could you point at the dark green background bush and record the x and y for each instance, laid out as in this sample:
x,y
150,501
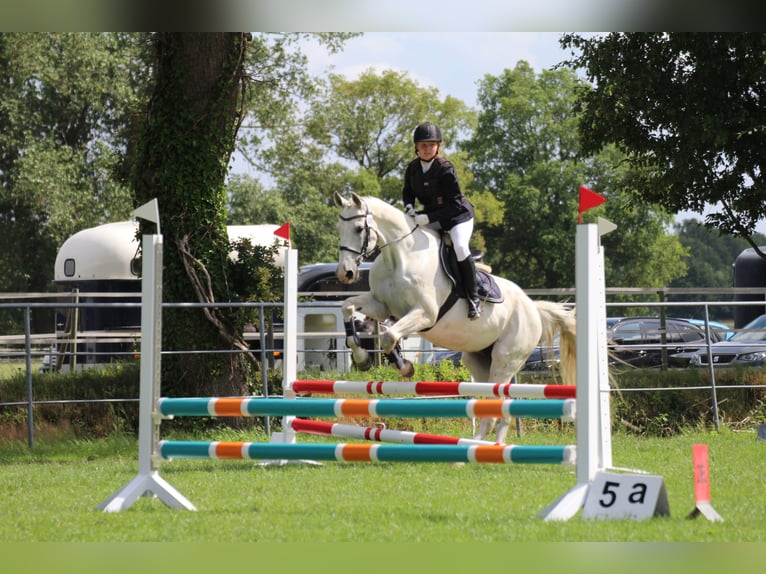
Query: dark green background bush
x,y
652,412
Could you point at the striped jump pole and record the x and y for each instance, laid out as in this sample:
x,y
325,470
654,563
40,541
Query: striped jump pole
x,y
563,409
435,388
502,454
341,430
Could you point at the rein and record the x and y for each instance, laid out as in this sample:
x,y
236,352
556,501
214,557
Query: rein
x,y
362,253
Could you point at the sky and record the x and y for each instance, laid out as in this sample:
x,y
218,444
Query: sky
x,y
451,62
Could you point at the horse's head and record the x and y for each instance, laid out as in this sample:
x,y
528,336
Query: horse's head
x,y
357,235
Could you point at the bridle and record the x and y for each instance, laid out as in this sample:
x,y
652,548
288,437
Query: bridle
x,y
362,254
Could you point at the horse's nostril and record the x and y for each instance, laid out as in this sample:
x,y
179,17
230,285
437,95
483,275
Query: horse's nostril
x,y
349,275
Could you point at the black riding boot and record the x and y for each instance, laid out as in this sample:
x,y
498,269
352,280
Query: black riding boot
x,y
468,275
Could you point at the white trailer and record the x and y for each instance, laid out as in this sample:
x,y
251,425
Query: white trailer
x,y
100,264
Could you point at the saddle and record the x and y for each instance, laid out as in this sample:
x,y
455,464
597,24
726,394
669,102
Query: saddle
x,y
485,283
486,286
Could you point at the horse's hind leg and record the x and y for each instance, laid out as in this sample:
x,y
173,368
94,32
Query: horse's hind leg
x,y
478,365
502,430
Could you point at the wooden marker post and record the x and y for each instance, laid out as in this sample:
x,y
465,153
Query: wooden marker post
x,y
702,485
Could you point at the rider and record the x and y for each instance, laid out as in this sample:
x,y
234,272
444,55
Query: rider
x,y
432,180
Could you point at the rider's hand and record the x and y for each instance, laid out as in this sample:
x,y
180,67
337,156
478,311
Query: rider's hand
x,y
409,210
422,219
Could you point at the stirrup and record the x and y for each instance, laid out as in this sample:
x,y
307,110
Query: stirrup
x,y
474,309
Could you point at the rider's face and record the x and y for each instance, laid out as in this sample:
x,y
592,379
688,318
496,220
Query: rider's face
x,y
427,150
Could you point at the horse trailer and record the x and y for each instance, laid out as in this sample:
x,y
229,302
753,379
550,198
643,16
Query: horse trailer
x,y
321,341
99,266
749,271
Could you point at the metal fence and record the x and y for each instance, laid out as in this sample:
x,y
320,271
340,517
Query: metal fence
x,y
88,348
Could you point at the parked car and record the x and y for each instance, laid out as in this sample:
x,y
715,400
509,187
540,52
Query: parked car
x,y
542,358
611,321
724,330
745,348
638,341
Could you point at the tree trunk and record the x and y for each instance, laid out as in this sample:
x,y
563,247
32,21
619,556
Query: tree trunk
x,y
182,160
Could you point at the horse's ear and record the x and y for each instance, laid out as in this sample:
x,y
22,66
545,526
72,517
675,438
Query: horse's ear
x,y
357,199
338,199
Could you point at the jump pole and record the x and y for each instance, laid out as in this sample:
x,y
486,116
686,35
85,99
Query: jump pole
x,y
356,452
378,434
591,352
435,388
148,482
563,409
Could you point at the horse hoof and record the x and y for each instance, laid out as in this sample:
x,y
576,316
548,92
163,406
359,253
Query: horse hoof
x,y
365,366
407,370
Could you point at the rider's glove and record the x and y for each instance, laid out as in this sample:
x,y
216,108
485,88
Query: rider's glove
x,y
422,219
409,210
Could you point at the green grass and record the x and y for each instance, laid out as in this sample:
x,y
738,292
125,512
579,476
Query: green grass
x,y
51,495
9,369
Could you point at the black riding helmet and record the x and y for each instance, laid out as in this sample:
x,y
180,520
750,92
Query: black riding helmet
x,y
427,132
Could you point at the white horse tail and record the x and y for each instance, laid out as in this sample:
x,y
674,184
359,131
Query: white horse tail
x,y
559,318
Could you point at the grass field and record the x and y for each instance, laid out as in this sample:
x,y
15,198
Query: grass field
x,y
341,517
52,494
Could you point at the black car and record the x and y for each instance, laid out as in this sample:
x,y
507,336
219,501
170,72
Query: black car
x,y
745,348
542,358
640,341
321,281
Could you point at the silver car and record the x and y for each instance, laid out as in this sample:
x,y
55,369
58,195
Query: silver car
x,y
745,348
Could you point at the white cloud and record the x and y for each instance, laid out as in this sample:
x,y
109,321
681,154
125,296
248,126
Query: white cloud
x,y
452,62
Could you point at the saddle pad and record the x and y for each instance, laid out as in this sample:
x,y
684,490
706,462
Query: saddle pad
x,y
486,286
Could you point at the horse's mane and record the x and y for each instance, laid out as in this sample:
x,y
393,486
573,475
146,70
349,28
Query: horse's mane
x,y
384,209
375,202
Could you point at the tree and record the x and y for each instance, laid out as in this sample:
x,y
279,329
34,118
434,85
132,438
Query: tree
x,y
67,102
202,85
368,123
353,135
276,69
182,158
687,107
526,153
711,256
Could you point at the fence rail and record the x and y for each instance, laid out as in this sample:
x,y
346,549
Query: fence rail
x,y
24,345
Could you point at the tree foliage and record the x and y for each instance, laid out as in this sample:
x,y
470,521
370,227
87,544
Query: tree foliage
x,y
67,102
689,109
527,154
711,255
350,135
182,160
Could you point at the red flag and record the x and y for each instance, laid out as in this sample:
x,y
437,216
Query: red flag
x,y
283,232
588,200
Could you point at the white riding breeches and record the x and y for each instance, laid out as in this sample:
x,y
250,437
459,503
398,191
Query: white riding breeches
x,y
461,235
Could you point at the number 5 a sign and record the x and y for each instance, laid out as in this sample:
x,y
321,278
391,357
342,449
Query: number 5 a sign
x,y
626,496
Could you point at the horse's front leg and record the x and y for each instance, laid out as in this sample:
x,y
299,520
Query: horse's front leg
x,y
415,320
370,307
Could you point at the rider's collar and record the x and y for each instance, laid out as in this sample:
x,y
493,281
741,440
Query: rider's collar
x,y
426,165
